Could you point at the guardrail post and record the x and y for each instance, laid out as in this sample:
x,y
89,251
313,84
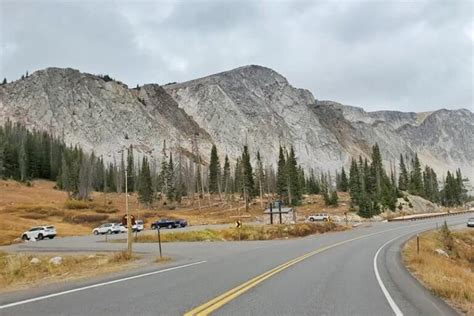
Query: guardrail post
x,y
417,244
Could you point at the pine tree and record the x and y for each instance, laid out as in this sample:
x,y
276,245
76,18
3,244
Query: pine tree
x,y
294,192
130,170
281,185
403,178
416,180
226,175
145,188
248,183
344,186
4,81
354,183
260,176
238,177
214,171
163,177
170,193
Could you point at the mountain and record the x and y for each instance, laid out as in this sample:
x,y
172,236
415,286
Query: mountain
x,y
250,105
103,116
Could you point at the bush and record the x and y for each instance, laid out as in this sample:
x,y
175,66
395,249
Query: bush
x,y
34,216
85,218
446,237
106,210
76,205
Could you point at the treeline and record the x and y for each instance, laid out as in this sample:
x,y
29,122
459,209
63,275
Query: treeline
x,y
372,190
27,155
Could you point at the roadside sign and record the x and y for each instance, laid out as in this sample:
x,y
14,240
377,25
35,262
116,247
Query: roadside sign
x,y
238,223
124,220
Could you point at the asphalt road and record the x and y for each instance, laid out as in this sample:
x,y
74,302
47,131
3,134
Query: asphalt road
x,y
357,272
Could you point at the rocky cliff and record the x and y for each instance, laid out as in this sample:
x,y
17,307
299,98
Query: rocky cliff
x,y
249,105
103,116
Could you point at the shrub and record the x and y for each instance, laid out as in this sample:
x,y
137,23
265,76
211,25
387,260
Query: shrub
x,y
85,218
76,205
121,256
106,210
34,216
446,237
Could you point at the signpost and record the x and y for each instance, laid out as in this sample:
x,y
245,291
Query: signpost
x,y
238,225
159,240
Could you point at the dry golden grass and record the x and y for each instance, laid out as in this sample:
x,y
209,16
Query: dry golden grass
x,y
451,278
247,232
16,271
40,204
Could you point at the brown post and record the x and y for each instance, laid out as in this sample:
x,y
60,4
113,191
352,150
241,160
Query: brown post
x,y
271,213
279,209
417,244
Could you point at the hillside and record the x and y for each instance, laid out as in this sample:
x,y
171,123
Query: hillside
x,y
250,105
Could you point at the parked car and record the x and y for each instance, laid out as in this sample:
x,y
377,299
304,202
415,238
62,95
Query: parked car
x,y
165,223
139,226
322,217
182,223
121,228
470,222
39,233
107,228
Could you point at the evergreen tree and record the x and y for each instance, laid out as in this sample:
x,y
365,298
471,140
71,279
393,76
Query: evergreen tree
x,y
344,183
226,175
403,178
130,170
294,192
416,180
145,188
214,171
248,183
4,81
170,193
238,177
260,176
163,176
355,189
281,185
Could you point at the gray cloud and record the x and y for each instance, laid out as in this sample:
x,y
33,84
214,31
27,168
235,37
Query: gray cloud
x,y
401,55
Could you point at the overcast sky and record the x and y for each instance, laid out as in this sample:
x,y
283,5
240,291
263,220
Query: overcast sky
x,y
400,55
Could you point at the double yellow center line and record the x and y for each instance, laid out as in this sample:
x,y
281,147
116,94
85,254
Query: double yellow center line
x,y
221,300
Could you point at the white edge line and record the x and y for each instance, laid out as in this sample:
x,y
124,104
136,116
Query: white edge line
x,y
389,298
39,298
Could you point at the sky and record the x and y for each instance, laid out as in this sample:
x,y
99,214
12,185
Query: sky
x,y
380,55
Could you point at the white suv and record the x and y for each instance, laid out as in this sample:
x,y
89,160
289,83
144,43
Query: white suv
x,y
39,233
322,217
107,228
138,227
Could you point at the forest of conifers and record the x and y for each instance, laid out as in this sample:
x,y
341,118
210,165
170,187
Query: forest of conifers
x,y
26,155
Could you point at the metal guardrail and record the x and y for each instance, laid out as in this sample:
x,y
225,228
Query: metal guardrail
x,y
417,218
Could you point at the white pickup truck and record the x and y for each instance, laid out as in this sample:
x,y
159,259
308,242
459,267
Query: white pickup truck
x,y
322,217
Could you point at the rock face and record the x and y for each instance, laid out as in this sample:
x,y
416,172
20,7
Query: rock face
x,y
101,116
250,105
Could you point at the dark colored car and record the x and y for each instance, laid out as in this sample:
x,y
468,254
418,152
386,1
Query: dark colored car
x,y
165,223
182,222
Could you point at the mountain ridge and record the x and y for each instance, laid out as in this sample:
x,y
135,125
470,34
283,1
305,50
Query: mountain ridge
x,y
251,105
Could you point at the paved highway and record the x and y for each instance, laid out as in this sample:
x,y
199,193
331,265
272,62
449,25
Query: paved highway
x,y
357,272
